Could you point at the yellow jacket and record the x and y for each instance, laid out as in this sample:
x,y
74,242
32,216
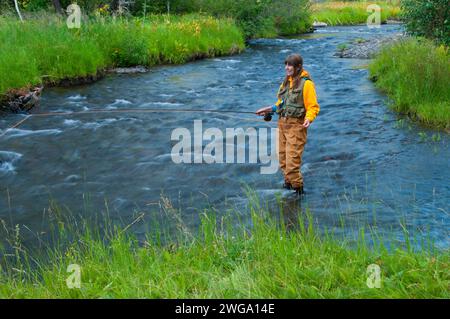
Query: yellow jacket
x,y
309,97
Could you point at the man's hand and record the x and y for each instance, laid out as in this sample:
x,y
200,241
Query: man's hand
x,y
306,123
263,111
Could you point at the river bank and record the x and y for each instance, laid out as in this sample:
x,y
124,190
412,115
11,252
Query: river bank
x,y
44,52
268,260
415,74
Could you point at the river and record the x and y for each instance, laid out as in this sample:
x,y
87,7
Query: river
x,y
363,165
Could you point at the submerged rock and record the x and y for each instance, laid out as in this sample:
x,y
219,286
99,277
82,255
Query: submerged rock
x,y
24,99
131,70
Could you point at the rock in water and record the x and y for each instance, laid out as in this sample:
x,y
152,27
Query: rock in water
x,y
131,70
22,100
318,24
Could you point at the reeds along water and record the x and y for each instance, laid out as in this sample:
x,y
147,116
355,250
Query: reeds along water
x,y
222,260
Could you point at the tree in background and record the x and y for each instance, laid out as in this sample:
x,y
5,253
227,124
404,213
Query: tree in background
x,y
57,6
428,18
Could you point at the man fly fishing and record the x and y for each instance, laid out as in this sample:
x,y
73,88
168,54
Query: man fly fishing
x,y
297,108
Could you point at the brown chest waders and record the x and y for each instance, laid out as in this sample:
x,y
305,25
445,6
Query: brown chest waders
x,y
291,133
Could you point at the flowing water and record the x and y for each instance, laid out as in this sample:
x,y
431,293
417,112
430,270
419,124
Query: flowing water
x,y
362,165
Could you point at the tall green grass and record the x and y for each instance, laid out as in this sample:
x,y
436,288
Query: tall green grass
x,y
415,74
256,18
266,260
45,50
350,13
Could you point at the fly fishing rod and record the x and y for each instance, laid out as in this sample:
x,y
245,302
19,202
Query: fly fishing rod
x,y
129,110
267,116
137,110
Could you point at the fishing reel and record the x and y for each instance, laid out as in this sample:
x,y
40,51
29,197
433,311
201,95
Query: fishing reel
x,y
268,117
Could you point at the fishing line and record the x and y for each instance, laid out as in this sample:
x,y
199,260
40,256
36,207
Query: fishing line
x,y
147,110
15,125
130,110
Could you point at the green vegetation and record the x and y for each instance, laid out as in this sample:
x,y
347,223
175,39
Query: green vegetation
x,y
43,49
429,18
350,13
415,74
256,18
342,47
359,40
262,18
46,50
267,260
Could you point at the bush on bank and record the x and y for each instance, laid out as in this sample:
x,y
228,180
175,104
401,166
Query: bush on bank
x,y
430,18
262,18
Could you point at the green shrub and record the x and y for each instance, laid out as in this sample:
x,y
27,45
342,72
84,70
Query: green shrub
x,y
429,18
87,5
415,73
260,18
34,5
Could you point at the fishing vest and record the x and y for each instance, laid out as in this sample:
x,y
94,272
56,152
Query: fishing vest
x,y
293,105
